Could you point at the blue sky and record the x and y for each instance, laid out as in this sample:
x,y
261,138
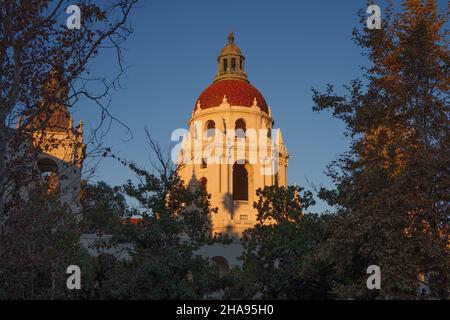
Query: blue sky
x,y
290,47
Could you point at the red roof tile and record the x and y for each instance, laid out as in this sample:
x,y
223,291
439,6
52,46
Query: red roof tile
x,y
239,93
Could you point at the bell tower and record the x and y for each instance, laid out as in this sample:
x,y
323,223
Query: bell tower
x,y
232,149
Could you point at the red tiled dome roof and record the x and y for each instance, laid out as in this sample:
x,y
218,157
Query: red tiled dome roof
x,y
239,93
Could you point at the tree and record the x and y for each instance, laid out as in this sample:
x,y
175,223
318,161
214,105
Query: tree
x,y
392,186
38,247
103,207
35,42
44,69
175,222
279,260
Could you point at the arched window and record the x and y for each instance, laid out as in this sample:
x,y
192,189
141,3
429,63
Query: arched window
x,y
225,64
240,128
210,128
240,182
233,64
222,263
48,170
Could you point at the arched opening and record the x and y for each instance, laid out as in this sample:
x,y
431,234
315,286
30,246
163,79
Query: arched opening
x,y
240,128
233,64
210,128
240,182
48,170
222,264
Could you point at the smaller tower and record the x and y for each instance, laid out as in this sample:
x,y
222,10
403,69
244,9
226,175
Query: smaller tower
x,y
231,62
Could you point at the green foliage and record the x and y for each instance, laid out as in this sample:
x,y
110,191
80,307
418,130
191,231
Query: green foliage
x,y
175,222
280,204
103,207
280,258
168,274
39,240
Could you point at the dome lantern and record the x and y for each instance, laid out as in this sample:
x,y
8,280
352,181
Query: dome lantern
x,y
230,62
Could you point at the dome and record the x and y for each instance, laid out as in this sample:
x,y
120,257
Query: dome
x,y
238,93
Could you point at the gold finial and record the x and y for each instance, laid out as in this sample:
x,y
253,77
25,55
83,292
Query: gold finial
x,y
231,37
